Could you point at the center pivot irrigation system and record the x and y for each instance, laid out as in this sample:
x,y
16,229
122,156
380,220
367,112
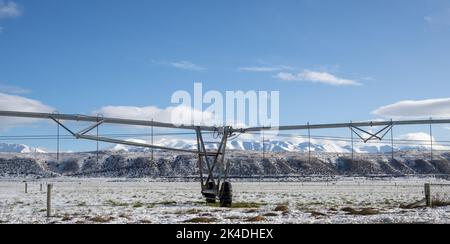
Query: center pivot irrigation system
x,y
214,182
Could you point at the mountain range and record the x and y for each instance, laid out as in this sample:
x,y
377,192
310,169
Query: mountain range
x,y
19,148
327,146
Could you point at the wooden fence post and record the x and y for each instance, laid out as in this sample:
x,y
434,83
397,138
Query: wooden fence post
x,y
428,198
49,200
26,187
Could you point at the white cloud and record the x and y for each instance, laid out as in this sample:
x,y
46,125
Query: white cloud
x,y
424,140
436,108
13,89
265,68
9,9
176,115
18,103
180,115
418,136
317,77
186,65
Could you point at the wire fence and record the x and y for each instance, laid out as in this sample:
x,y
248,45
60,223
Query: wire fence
x,y
440,194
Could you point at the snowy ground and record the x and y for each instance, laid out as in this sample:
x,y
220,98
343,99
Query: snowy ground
x,y
125,201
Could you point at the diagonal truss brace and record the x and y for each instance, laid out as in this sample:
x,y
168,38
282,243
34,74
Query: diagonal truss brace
x,y
379,135
90,128
82,135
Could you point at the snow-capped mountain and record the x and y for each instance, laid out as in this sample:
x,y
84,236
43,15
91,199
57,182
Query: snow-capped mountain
x,y
18,148
276,146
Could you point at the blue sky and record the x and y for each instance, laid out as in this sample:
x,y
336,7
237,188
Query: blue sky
x,y
79,56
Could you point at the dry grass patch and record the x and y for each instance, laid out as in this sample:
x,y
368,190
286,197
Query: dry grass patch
x,y
235,205
102,219
138,205
281,208
317,214
201,220
363,211
81,204
167,203
125,216
66,217
116,203
252,211
193,211
233,217
246,205
258,218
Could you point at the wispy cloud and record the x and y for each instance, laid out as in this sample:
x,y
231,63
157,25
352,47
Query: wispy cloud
x,y
9,9
436,108
439,19
317,77
267,68
187,65
13,89
18,103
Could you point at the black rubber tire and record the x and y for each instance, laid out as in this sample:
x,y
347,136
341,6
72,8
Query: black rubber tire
x,y
226,195
210,198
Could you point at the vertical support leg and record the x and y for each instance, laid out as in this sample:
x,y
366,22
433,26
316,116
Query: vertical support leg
x,y
200,157
203,154
97,142
263,145
99,118
153,141
353,150
221,154
208,187
57,143
392,142
431,142
309,144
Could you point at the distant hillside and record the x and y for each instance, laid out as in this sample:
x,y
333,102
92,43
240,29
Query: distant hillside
x,y
167,164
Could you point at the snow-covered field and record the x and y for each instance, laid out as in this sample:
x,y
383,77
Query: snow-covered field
x,y
141,201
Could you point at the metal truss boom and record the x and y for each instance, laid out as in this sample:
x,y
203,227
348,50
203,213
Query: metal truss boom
x,y
344,125
150,123
57,118
95,119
